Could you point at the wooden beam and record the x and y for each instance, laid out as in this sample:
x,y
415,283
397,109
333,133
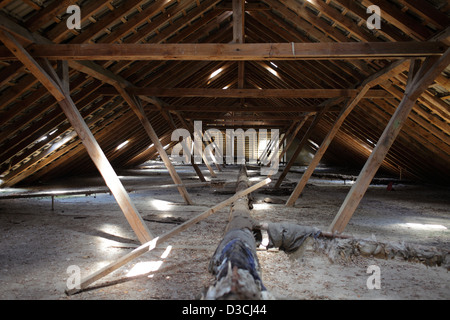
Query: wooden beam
x,y
246,122
238,108
55,87
251,117
300,146
238,21
234,51
239,37
63,74
235,263
321,151
248,93
424,77
146,247
136,106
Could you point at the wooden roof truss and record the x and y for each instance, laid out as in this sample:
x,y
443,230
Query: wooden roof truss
x,y
137,68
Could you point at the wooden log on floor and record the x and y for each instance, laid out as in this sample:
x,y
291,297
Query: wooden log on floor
x,y
149,246
235,264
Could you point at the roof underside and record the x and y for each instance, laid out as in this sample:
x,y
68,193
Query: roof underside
x,y
37,141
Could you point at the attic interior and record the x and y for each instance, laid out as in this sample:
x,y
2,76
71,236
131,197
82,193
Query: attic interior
x,y
349,105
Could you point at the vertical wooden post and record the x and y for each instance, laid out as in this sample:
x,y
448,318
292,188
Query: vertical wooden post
x,y
238,21
417,85
51,81
239,37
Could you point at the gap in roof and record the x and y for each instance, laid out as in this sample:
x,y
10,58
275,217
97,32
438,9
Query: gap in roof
x,y
215,73
123,144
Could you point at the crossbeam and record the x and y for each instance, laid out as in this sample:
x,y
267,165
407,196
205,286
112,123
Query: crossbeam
x,y
248,108
233,51
247,93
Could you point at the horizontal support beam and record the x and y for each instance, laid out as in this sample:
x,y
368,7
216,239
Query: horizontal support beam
x,y
239,108
256,122
244,117
249,93
233,51
248,7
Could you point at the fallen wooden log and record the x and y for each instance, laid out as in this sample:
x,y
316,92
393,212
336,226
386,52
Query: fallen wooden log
x,y
235,264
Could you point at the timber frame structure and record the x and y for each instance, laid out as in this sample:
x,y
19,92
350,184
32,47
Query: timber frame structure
x,y
137,70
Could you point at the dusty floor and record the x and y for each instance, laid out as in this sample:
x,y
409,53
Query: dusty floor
x,y
38,245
